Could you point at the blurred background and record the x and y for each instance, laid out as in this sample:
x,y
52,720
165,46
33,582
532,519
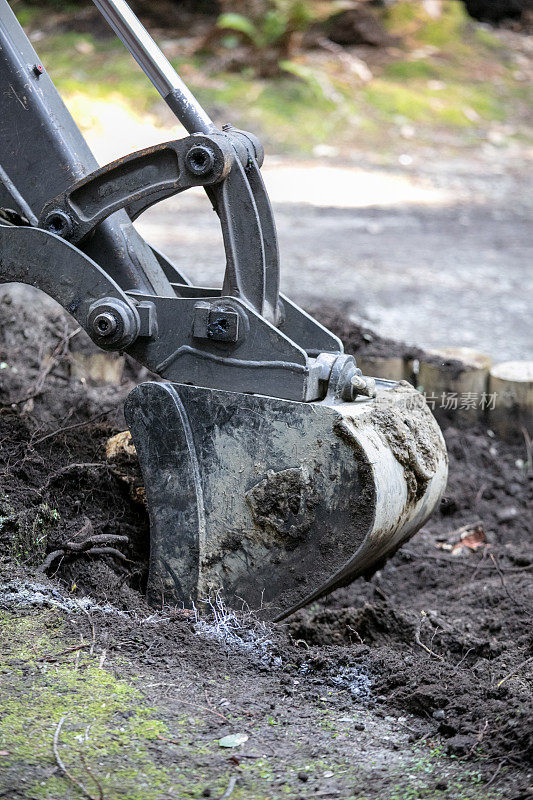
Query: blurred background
x,y
398,138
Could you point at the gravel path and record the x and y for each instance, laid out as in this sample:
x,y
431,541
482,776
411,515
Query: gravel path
x,y
431,252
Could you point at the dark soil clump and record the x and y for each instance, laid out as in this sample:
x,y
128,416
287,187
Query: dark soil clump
x,y
361,340
450,635
56,486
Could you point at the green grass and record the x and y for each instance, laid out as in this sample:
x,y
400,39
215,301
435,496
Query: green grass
x,y
105,719
409,19
144,752
418,102
308,105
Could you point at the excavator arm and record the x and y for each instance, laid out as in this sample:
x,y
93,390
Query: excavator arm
x,y
274,470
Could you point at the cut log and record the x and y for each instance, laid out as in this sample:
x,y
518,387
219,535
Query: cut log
x,y
392,369
455,382
511,393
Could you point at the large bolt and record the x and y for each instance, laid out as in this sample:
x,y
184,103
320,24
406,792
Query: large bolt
x,y
104,324
200,160
113,323
345,380
59,223
363,385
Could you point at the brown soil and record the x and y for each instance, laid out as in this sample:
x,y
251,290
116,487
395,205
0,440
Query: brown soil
x,y
437,646
360,340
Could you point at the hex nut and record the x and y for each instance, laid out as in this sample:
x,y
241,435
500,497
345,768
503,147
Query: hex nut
x,y
112,323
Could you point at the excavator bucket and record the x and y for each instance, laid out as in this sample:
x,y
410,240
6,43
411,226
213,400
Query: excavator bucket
x,y
272,503
274,471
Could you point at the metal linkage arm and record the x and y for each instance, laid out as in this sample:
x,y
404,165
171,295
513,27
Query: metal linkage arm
x,y
136,182
241,202
44,260
241,337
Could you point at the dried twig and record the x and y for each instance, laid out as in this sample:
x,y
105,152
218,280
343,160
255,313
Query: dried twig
x,y
231,787
93,777
496,773
166,739
447,560
55,656
70,427
470,649
418,640
359,639
49,560
63,768
504,584
515,670
187,703
204,708
38,387
479,737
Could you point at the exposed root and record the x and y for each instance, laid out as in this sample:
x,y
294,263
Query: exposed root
x,y
92,545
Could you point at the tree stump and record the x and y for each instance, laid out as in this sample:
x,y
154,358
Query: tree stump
x,y
511,388
455,382
393,369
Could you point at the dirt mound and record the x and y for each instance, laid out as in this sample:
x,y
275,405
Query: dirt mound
x,y
58,494
450,633
358,339
442,633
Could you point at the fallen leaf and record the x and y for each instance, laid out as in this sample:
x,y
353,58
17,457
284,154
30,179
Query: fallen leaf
x,y
471,537
471,540
233,740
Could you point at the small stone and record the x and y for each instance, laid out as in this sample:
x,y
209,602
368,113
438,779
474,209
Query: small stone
x,y
438,714
328,774
303,776
459,745
507,514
